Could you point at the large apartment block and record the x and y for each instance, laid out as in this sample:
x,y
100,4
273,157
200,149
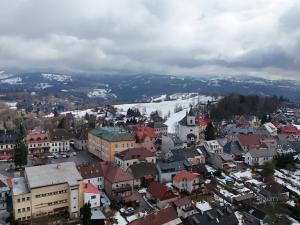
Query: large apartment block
x,y
104,142
46,190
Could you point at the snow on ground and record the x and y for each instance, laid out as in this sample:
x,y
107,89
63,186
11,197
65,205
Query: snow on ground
x,y
289,179
101,93
57,77
160,98
174,119
167,107
12,80
43,86
210,169
142,190
242,174
291,203
203,206
294,222
239,216
120,219
3,75
11,105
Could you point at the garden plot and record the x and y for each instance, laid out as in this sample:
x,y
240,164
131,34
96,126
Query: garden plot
x,y
288,179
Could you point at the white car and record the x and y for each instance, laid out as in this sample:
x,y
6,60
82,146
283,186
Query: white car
x,y
74,153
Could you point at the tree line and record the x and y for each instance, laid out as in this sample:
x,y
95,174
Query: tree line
x,y
250,105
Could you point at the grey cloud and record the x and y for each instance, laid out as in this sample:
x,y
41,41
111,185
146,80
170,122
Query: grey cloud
x,y
110,36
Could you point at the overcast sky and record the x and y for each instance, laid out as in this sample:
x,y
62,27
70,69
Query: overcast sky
x,y
204,37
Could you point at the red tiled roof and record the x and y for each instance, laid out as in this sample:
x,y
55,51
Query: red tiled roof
x,y
159,218
37,136
90,170
289,129
185,175
203,121
183,201
90,188
108,170
141,132
250,140
160,191
114,173
148,145
135,153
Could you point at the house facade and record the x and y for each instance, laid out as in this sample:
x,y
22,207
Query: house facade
x,y
132,156
187,181
259,156
47,190
105,142
38,142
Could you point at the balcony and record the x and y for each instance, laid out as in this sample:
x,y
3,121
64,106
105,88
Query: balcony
x,y
121,189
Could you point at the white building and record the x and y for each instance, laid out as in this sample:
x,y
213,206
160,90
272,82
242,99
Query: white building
x,y
187,181
259,156
213,146
60,140
270,128
187,129
91,195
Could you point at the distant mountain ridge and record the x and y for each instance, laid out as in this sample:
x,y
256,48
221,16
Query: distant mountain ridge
x,y
143,87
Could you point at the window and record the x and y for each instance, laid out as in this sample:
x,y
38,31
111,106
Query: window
x,y
19,210
93,197
18,200
28,208
28,198
116,145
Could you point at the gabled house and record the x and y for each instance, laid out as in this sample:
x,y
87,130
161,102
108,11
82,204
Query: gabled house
x,y
143,173
92,173
213,146
38,142
192,155
60,140
270,128
259,156
162,217
274,192
220,215
132,156
118,184
188,181
248,142
8,140
144,134
167,169
185,207
160,195
160,129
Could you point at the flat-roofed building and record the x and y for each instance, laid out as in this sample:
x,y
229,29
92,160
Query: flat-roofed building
x,y
52,189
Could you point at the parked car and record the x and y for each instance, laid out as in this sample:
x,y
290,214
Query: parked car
x,y
129,211
74,153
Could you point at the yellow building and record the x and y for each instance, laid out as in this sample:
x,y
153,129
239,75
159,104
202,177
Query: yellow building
x,y
46,190
104,142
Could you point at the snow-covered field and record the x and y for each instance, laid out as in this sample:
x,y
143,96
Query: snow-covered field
x,y
167,108
57,77
11,80
101,93
43,86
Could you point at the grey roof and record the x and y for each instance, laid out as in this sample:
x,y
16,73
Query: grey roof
x,y
8,137
159,125
186,152
142,169
19,186
60,134
172,166
257,153
51,174
216,216
233,148
113,134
